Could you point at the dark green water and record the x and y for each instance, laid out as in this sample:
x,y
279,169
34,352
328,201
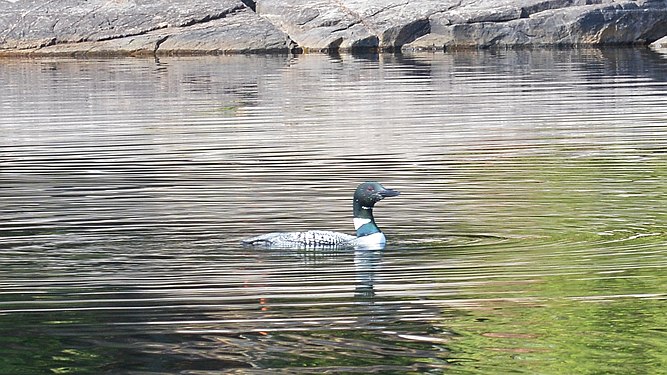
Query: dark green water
x,y
530,235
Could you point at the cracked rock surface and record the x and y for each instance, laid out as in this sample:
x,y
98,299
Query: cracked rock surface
x,y
136,27
73,27
547,23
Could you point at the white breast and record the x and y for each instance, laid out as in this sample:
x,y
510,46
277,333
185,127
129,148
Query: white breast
x,y
375,241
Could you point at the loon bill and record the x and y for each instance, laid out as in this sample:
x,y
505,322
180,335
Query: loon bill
x,y
369,236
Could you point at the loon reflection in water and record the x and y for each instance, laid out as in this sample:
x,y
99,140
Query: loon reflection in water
x,y
369,236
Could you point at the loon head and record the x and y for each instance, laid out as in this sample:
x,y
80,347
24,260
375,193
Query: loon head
x,y
365,197
369,193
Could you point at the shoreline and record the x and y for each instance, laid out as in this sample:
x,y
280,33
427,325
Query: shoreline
x,y
73,28
38,53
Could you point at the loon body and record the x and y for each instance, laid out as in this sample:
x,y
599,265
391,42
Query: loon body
x,y
368,233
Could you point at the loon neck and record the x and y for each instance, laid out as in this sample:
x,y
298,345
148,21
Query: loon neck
x,y
364,222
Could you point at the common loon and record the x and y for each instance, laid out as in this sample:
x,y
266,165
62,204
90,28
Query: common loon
x,y
369,236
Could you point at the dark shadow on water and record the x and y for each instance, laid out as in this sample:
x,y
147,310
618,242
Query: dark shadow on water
x,y
218,325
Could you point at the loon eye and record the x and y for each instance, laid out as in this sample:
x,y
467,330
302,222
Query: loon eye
x,y
370,188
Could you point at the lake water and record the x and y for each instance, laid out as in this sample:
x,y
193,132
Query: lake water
x,y
530,235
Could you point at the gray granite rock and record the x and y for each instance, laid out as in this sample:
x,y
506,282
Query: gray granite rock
x,y
319,25
548,23
331,24
243,33
660,45
246,26
136,27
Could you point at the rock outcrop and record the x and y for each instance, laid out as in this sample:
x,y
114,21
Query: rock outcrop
x,y
547,23
246,26
136,27
660,45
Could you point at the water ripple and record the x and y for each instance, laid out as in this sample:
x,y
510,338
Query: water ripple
x,y
531,215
